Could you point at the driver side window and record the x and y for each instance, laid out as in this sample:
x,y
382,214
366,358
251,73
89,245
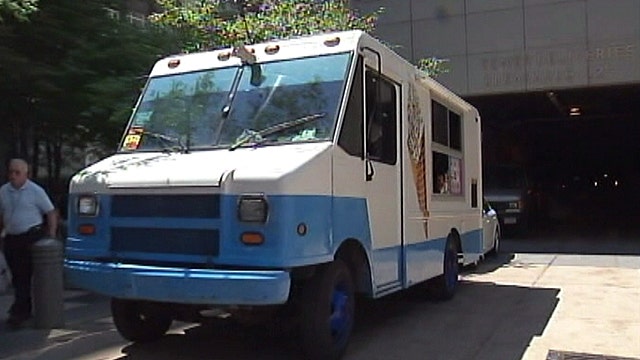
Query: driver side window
x,y
382,118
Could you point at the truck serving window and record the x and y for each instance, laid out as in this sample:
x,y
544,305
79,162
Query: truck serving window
x,y
295,100
447,161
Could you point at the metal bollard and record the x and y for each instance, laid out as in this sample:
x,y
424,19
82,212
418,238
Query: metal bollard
x,y
48,283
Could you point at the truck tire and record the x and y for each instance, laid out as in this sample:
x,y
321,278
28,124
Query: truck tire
x,y
496,243
327,312
444,286
137,322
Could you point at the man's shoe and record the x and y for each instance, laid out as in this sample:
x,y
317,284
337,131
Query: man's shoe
x,y
15,322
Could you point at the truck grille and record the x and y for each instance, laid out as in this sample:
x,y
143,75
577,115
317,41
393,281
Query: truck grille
x,y
179,206
143,237
165,241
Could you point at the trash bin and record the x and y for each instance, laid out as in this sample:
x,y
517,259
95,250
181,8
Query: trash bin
x,y
48,283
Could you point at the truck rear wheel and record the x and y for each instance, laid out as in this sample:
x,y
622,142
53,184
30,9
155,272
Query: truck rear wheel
x,y
444,286
137,321
327,309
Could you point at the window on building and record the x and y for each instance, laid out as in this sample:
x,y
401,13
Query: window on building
x,y
113,14
131,17
135,19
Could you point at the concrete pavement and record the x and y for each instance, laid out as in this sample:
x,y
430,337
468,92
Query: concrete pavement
x,y
537,299
598,302
86,317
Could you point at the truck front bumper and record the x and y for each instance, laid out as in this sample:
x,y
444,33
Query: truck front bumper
x,y
180,285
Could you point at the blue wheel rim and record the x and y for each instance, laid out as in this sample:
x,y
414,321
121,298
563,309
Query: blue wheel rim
x,y
340,318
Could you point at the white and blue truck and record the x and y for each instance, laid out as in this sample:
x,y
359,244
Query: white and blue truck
x,y
294,174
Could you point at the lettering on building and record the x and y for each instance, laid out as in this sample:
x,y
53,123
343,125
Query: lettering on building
x,y
554,67
605,60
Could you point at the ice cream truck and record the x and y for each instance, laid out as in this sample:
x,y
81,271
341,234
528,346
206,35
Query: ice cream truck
x,y
283,178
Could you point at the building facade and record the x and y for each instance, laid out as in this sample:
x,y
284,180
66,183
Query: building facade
x,y
507,46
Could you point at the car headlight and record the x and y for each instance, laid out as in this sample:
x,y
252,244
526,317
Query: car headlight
x,y
253,208
87,205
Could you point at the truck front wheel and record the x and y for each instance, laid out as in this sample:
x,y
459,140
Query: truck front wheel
x,y
137,321
327,312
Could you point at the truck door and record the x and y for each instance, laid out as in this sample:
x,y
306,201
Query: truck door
x,y
383,177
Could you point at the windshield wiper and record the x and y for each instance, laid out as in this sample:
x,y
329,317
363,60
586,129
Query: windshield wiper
x,y
226,108
171,144
247,58
251,135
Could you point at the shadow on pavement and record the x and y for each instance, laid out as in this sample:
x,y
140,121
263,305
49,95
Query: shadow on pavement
x,y
483,321
84,315
490,263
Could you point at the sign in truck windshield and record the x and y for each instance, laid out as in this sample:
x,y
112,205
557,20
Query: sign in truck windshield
x,y
270,103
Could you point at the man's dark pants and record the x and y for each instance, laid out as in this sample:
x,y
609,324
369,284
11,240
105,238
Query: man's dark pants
x,y
17,250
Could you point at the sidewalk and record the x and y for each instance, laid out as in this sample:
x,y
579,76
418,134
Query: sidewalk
x,y
539,299
86,318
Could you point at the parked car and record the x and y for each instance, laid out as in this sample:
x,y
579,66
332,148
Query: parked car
x,y
507,189
490,229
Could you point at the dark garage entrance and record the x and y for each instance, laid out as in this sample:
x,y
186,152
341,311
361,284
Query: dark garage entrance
x,y
580,149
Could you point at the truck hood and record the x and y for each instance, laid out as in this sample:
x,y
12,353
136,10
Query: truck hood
x,y
195,169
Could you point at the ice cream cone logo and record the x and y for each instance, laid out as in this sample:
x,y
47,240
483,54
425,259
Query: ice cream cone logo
x,y
415,144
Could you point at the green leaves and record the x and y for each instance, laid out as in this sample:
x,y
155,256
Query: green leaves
x,y
209,25
434,66
70,75
206,25
19,9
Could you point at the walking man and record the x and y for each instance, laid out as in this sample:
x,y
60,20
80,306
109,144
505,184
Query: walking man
x,y
23,205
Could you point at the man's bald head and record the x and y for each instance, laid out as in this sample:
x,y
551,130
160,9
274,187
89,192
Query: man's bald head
x,y
18,172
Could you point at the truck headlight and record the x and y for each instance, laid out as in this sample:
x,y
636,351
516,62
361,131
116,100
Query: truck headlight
x,y
87,205
253,208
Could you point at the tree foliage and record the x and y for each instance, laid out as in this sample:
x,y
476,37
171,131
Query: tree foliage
x,y
18,9
214,24
70,75
77,86
208,25
434,66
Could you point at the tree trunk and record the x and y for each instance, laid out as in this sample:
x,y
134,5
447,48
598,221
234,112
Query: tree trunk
x,y
24,131
35,158
57,160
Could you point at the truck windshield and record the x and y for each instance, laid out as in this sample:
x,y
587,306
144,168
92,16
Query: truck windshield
x,y
205,109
